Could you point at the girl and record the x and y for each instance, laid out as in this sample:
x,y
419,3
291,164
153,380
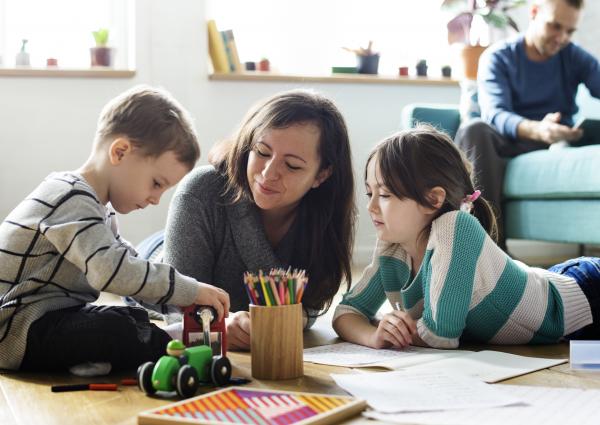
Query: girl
x,y
444,274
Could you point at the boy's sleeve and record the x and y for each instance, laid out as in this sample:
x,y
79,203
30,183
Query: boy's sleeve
x,y
449,281
78,231
114,226
367,295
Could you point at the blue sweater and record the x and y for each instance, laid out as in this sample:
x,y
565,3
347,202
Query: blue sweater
x,y
511,87
469,288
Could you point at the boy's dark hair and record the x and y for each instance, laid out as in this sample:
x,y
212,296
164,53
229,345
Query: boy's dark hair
x,y
412,162
327,214
153,121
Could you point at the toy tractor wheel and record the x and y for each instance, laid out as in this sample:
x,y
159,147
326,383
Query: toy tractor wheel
x,y
220,370
187,381
144,375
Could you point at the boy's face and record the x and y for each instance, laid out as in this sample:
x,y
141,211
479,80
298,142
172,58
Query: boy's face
x,y
137,180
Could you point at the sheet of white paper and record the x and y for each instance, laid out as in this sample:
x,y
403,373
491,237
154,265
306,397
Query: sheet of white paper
x,y
542,406
354,355
408,391
491,366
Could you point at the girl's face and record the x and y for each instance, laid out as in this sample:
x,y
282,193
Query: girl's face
x,y
396,220
283,166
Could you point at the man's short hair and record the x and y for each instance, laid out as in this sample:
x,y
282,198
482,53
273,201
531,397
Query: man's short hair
x,y
576,4
153,121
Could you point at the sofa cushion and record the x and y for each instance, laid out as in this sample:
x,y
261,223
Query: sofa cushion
x,y
562,173
556,220
443,117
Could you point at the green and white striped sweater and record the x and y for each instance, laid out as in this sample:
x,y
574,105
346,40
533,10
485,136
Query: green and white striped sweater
x,y
468,288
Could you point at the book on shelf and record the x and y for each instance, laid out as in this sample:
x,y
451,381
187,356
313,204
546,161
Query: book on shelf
x,y
231,49
216,49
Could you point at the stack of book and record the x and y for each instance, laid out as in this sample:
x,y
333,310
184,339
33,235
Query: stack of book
x,y
222,49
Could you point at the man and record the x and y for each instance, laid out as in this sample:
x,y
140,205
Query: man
x,y
527,88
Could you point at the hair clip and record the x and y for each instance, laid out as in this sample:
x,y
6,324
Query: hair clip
x,y
466,204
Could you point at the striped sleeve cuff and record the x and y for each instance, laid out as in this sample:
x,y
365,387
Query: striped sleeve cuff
x,y
185,291
433,340
342,309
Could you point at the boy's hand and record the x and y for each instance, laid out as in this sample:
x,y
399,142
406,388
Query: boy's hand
x,y
215,297
394,330
238,331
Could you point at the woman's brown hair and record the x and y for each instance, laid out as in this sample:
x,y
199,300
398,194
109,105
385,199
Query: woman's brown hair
x,y
327,214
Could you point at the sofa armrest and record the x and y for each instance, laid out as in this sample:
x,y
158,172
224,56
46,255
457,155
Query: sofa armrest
x,y
443,117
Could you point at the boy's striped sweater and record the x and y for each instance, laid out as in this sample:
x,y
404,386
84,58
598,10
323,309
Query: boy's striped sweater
x,y
468,288
59,248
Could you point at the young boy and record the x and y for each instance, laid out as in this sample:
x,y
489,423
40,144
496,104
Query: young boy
x,y
60,247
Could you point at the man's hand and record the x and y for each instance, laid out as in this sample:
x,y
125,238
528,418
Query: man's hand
x,y
238,331
548,130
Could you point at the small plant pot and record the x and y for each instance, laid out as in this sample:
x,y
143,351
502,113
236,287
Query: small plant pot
x,y
264,65
367,64
446,71
403,71
101,56
422,70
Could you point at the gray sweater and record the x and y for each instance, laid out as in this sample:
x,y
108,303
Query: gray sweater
x,y
215,241
60,248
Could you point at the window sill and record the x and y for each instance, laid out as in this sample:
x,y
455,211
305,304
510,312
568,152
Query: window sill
x,y
334,78
67,73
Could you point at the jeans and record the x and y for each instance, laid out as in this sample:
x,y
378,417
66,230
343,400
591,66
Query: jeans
x,y
586,272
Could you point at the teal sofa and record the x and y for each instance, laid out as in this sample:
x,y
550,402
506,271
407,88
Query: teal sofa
x,y
550,195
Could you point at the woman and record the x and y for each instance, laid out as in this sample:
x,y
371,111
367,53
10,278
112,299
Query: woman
x,y
280,194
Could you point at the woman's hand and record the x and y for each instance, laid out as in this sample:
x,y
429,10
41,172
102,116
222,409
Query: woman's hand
x,y
396,329
238,331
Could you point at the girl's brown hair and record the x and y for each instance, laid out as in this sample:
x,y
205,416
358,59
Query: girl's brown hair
x,y
412,162
327,214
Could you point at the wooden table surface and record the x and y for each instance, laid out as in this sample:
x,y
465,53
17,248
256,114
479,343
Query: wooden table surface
x,y
27,399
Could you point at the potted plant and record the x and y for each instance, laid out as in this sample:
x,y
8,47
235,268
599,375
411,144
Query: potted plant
x,y
101,55
421,68
446,71
470,18
367,60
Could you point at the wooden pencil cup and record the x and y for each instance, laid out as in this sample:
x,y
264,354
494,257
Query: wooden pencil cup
x,y
276,344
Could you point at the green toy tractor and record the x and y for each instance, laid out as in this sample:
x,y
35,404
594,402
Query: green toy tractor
x,y
183,369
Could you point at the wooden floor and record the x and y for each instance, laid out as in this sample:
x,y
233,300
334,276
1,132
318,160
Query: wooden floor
x,y
27,399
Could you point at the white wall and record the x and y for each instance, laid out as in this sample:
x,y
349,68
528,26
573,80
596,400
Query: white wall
x,y
48,124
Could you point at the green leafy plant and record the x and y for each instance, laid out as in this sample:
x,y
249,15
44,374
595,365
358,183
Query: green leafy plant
x,y
101,37
494,13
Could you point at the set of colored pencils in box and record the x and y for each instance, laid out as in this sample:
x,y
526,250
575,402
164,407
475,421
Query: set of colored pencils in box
x,y
279,287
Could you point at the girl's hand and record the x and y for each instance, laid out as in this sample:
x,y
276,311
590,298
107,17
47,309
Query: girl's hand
x,y
396,329
238,331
